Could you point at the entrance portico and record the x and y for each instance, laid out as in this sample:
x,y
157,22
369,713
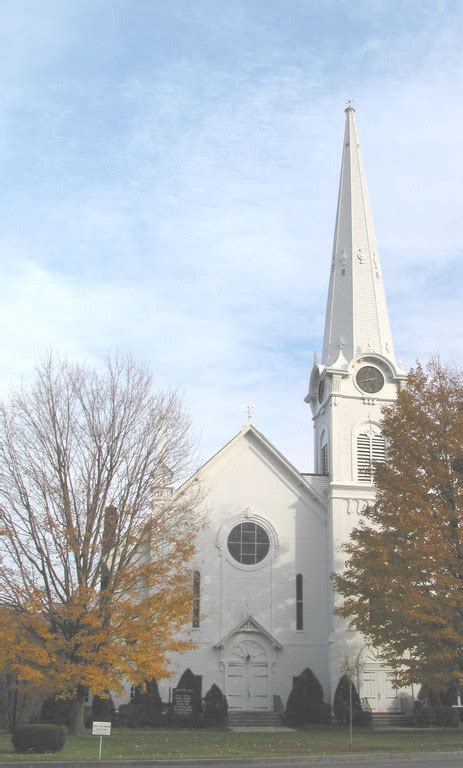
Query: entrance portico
x,y
248,661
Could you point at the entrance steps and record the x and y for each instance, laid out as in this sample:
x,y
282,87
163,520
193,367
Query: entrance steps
x,y
391,720
242,719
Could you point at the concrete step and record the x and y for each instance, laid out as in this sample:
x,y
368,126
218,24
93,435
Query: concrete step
x,y
240,719
390,720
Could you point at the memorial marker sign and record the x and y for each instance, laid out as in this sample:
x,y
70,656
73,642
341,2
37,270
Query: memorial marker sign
x,y
183,704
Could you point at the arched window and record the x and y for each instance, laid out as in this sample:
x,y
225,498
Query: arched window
x,y
196,599
371,450
299,603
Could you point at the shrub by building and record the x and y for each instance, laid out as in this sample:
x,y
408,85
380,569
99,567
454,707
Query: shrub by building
x,y
438,715
305,702
55,711
103,709
346,695
215,707
145,709
39,737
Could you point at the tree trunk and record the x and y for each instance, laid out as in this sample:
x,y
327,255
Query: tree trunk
x,y
76,713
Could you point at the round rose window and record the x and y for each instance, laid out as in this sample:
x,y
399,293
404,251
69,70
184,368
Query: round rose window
x,y
248,543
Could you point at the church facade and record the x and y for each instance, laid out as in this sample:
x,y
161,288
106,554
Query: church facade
x,y
264,604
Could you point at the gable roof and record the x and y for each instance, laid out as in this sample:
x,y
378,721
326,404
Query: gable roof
x,y
250,624
246,431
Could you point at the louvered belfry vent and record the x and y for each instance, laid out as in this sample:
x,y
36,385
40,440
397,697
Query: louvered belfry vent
x,y
324,460
371,450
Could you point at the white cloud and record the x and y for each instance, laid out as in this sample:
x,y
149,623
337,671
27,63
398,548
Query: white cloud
x,y
197,232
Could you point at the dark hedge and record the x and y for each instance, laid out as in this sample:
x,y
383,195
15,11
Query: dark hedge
x,y
39,737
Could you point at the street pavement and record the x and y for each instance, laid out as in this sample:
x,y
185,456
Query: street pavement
x,y
435,760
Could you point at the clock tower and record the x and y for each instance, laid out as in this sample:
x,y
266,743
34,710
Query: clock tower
x,y
356,377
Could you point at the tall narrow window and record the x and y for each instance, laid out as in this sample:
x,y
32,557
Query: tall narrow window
x,y
371,450
196,599
299,603
324,467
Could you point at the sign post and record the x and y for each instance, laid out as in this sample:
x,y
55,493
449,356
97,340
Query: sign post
x,y
101,729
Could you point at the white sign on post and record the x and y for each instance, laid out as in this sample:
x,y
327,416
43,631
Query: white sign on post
x,y
101,729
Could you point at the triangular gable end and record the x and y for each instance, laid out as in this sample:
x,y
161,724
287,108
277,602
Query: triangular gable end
x,y
290,468
249,624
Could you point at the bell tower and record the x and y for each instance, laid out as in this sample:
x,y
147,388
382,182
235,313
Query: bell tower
x,y
357,375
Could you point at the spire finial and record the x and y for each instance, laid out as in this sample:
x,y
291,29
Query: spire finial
x,y
349,105
250,411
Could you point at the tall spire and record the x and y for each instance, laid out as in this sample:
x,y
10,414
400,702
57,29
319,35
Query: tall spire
x,y
357,319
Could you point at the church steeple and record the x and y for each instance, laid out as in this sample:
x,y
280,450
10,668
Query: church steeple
x,y
357,319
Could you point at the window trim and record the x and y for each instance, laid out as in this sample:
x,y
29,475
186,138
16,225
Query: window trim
x,y
247,516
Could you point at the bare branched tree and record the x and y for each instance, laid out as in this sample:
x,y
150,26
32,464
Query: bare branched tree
x,y
95,542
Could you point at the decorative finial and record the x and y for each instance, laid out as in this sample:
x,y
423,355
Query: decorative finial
x,y
250,410
349,105
341,344
315,359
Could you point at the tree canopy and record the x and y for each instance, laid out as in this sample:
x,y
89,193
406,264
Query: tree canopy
x,y
403,581
95,543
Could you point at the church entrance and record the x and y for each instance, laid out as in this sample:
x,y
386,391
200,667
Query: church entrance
x,y
247,678
378,686
378,689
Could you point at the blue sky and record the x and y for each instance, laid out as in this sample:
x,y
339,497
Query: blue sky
x,y
170,179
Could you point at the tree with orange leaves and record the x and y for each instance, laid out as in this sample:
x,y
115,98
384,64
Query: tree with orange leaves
x,y
95,543
403,581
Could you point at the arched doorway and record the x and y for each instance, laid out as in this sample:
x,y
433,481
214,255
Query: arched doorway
x,y
247,677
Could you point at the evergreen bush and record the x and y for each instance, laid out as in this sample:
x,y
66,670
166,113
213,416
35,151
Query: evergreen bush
x,y
295,712
215,707
341,701
421,717
145,709
325,713
39,737
445,717
55,711
313,694
305,702
437,714
103,709
433,698
363,718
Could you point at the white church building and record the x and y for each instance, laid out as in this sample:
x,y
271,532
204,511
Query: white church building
x,y
264,600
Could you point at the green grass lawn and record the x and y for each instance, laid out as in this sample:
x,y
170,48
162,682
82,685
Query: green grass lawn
x,y
178,744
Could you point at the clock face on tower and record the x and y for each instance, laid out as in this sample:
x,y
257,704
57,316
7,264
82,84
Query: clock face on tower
x,y
369,379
